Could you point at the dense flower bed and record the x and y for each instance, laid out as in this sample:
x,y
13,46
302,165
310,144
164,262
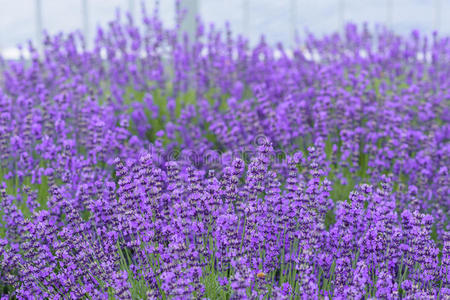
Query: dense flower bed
x,y
154,167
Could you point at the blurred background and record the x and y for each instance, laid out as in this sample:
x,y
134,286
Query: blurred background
x,y
278,20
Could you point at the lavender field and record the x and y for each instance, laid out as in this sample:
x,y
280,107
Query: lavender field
x,y
154,167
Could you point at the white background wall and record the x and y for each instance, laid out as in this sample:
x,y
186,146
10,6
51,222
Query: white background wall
x,y
271,17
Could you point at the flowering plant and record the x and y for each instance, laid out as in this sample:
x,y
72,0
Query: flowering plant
x,y
154,167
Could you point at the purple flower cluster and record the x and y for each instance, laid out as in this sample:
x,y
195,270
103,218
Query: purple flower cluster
x,y
151,166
